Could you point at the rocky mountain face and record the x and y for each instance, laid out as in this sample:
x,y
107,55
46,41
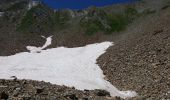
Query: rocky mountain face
x,y
42,20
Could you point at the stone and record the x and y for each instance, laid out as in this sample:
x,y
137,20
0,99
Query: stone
x,y
102,93
85,99
71,96
27,97
39,90
30,88
4,95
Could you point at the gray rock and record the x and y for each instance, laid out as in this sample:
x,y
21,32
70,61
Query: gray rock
x,y
4,96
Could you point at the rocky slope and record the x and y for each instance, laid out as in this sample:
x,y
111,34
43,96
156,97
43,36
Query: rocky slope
x,y
140,60
33,90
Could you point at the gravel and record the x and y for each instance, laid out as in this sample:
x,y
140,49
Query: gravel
x,y
34,90
140,61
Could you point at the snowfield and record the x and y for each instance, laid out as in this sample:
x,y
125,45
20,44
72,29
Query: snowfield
x,y
62,66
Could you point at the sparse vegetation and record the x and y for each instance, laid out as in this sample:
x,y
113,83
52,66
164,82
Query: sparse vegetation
x,y
108,23
16,6
60,19
36,20
118,22
39,19
165,7
148,11
92,27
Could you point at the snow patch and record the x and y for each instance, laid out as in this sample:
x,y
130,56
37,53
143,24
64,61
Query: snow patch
x,y
34,49
62,66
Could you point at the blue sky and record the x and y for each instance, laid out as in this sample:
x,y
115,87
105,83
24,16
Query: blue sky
x,y
80,4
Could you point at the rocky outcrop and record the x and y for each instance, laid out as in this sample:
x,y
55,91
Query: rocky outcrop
x,y
28,90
